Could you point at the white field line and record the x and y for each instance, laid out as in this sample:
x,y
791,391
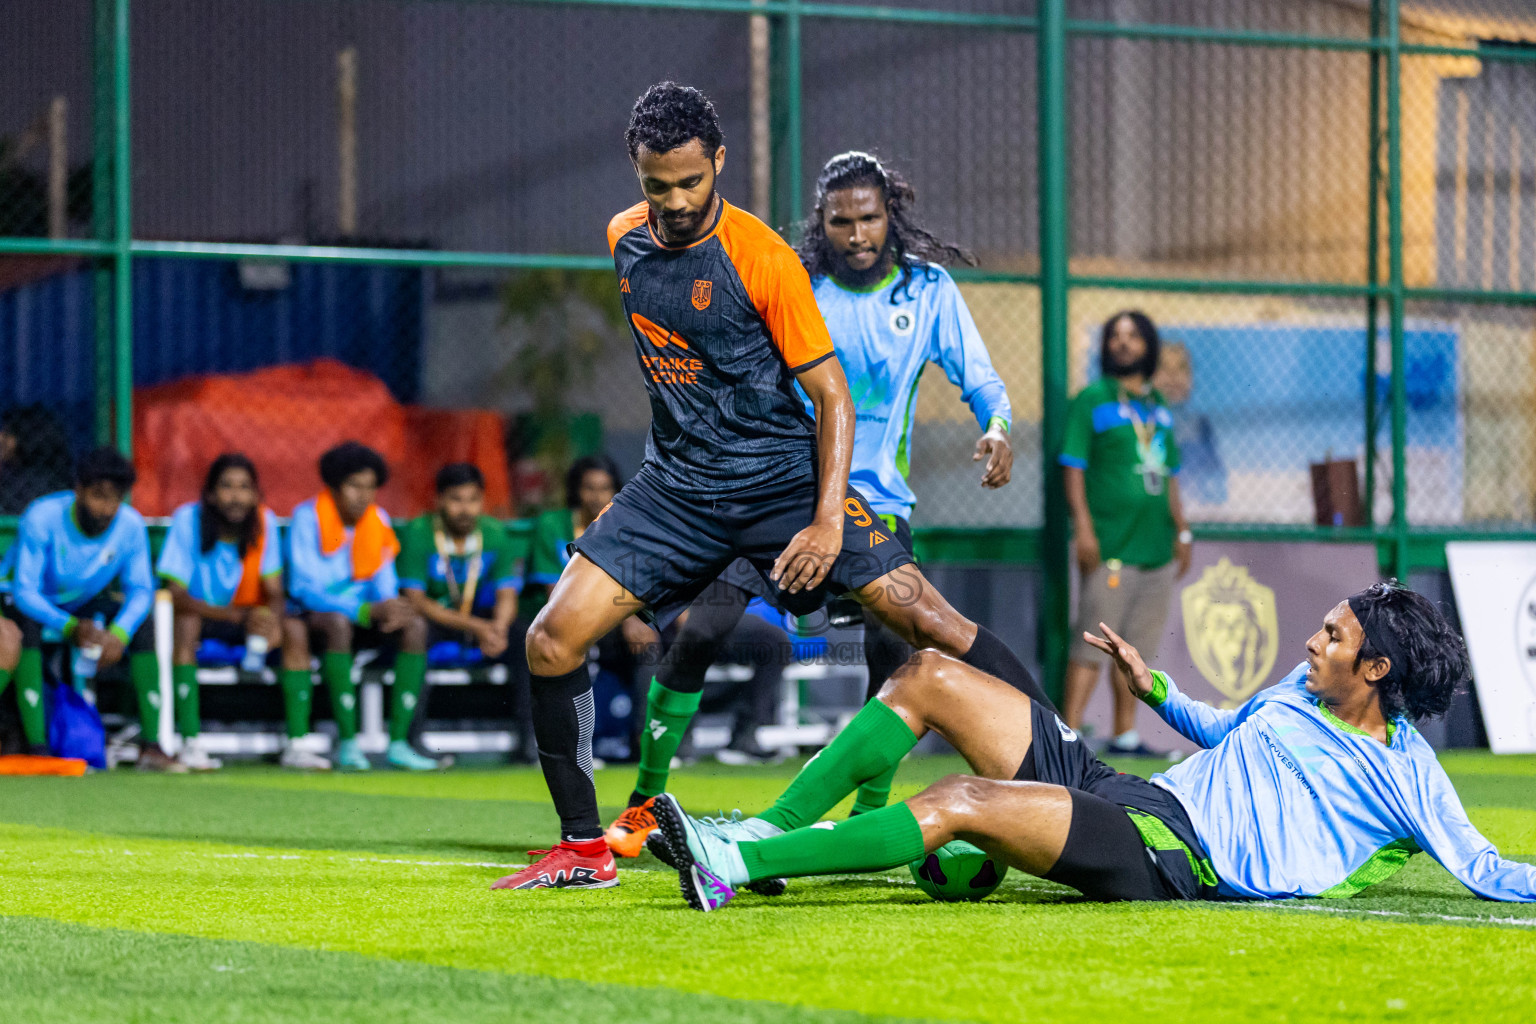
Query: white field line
x,y
299,856
1523,922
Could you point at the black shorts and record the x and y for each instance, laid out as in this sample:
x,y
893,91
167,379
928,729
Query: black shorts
x,y
1129,839
743,576
665,547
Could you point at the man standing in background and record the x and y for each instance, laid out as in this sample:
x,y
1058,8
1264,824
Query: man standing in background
x,y
1119,463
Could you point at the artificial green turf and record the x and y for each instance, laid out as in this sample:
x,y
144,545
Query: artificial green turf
x,y
64,973
315,863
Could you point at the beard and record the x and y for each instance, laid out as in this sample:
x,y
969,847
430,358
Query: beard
x,y
1118,369
864,278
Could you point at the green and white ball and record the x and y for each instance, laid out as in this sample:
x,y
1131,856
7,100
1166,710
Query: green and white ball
x,y
958,871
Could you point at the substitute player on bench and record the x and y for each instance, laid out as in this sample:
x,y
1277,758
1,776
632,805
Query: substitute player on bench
x,y
1316,786
223,564
725,325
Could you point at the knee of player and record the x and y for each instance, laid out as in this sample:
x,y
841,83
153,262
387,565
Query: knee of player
x,y
544,649
956,799
971,793
337,630
10,644
413,635
295,635
927,673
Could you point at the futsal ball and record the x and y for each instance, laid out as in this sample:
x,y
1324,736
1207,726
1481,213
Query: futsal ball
x,y
958,871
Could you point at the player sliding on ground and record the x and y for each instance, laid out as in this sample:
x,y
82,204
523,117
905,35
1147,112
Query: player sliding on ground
x,y
1316,786
724,324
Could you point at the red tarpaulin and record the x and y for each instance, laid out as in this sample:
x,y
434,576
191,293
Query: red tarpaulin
x,y
284,417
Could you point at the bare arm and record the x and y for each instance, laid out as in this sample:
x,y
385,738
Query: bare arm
x,y
183,601
448,618
1086,542
810,554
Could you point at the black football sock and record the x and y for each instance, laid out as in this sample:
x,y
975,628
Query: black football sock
x,y
993,657
563,715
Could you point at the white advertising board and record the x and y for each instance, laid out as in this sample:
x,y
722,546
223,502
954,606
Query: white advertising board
x,y
1495,585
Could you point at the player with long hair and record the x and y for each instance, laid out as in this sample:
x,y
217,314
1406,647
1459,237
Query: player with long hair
x,y
891,309
725,327
1317,786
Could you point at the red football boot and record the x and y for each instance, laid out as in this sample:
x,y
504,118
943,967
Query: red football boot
x,y
585,865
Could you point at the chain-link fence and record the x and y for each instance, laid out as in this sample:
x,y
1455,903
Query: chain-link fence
x,y
384,220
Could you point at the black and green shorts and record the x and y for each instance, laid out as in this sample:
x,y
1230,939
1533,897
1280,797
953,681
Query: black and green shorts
x,y
1130,839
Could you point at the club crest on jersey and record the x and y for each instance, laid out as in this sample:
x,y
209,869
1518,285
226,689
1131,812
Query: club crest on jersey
x,y
701,294
903,322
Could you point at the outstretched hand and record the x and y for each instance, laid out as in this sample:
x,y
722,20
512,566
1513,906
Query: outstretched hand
x,y
1127,659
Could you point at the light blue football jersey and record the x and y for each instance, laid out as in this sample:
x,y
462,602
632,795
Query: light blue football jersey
x,y
1288,800
885,337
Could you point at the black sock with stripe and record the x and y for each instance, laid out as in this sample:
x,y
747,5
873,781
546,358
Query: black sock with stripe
x,y
563,714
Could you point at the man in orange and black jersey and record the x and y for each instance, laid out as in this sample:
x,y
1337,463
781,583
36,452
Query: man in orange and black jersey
x,y
724,325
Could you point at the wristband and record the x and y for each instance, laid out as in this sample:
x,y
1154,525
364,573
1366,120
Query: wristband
x,y
365,615
997,423
1186,537
68,631
120,633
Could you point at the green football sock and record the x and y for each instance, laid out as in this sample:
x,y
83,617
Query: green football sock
x,y
875,841
144,670
296,684
875,793
872,745
336,672
184,684
667,714
29,696
410,675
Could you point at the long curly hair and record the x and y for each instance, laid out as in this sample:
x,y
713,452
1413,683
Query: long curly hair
x,y
912,244
1435,652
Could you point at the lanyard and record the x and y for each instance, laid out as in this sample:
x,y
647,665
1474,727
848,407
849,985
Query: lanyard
x,y
1146,431
445,551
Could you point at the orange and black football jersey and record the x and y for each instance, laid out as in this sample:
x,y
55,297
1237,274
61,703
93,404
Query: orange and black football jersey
x,y
721,327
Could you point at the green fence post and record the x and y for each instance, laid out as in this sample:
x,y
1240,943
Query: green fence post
x,y
1372,270
122,232
102,210
785,120
1051,59
1396,293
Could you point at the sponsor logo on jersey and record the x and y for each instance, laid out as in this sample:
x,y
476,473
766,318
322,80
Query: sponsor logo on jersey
x,y
701,292
876,537
903,322
624,285
657,335
1067,732
1231,629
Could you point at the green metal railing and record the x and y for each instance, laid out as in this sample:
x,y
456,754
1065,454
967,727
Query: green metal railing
x,y
114,249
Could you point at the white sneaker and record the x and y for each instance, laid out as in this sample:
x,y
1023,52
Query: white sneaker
x,y
197,759
303,760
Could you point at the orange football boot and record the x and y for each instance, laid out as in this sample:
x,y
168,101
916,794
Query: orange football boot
x,y
626,836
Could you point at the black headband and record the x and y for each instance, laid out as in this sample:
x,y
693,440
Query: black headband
x,y
1377,635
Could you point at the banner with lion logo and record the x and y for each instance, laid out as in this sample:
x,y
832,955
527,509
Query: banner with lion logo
x,y
1240,619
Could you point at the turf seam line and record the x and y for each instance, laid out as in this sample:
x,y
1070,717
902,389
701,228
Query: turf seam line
x,y
1524,922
